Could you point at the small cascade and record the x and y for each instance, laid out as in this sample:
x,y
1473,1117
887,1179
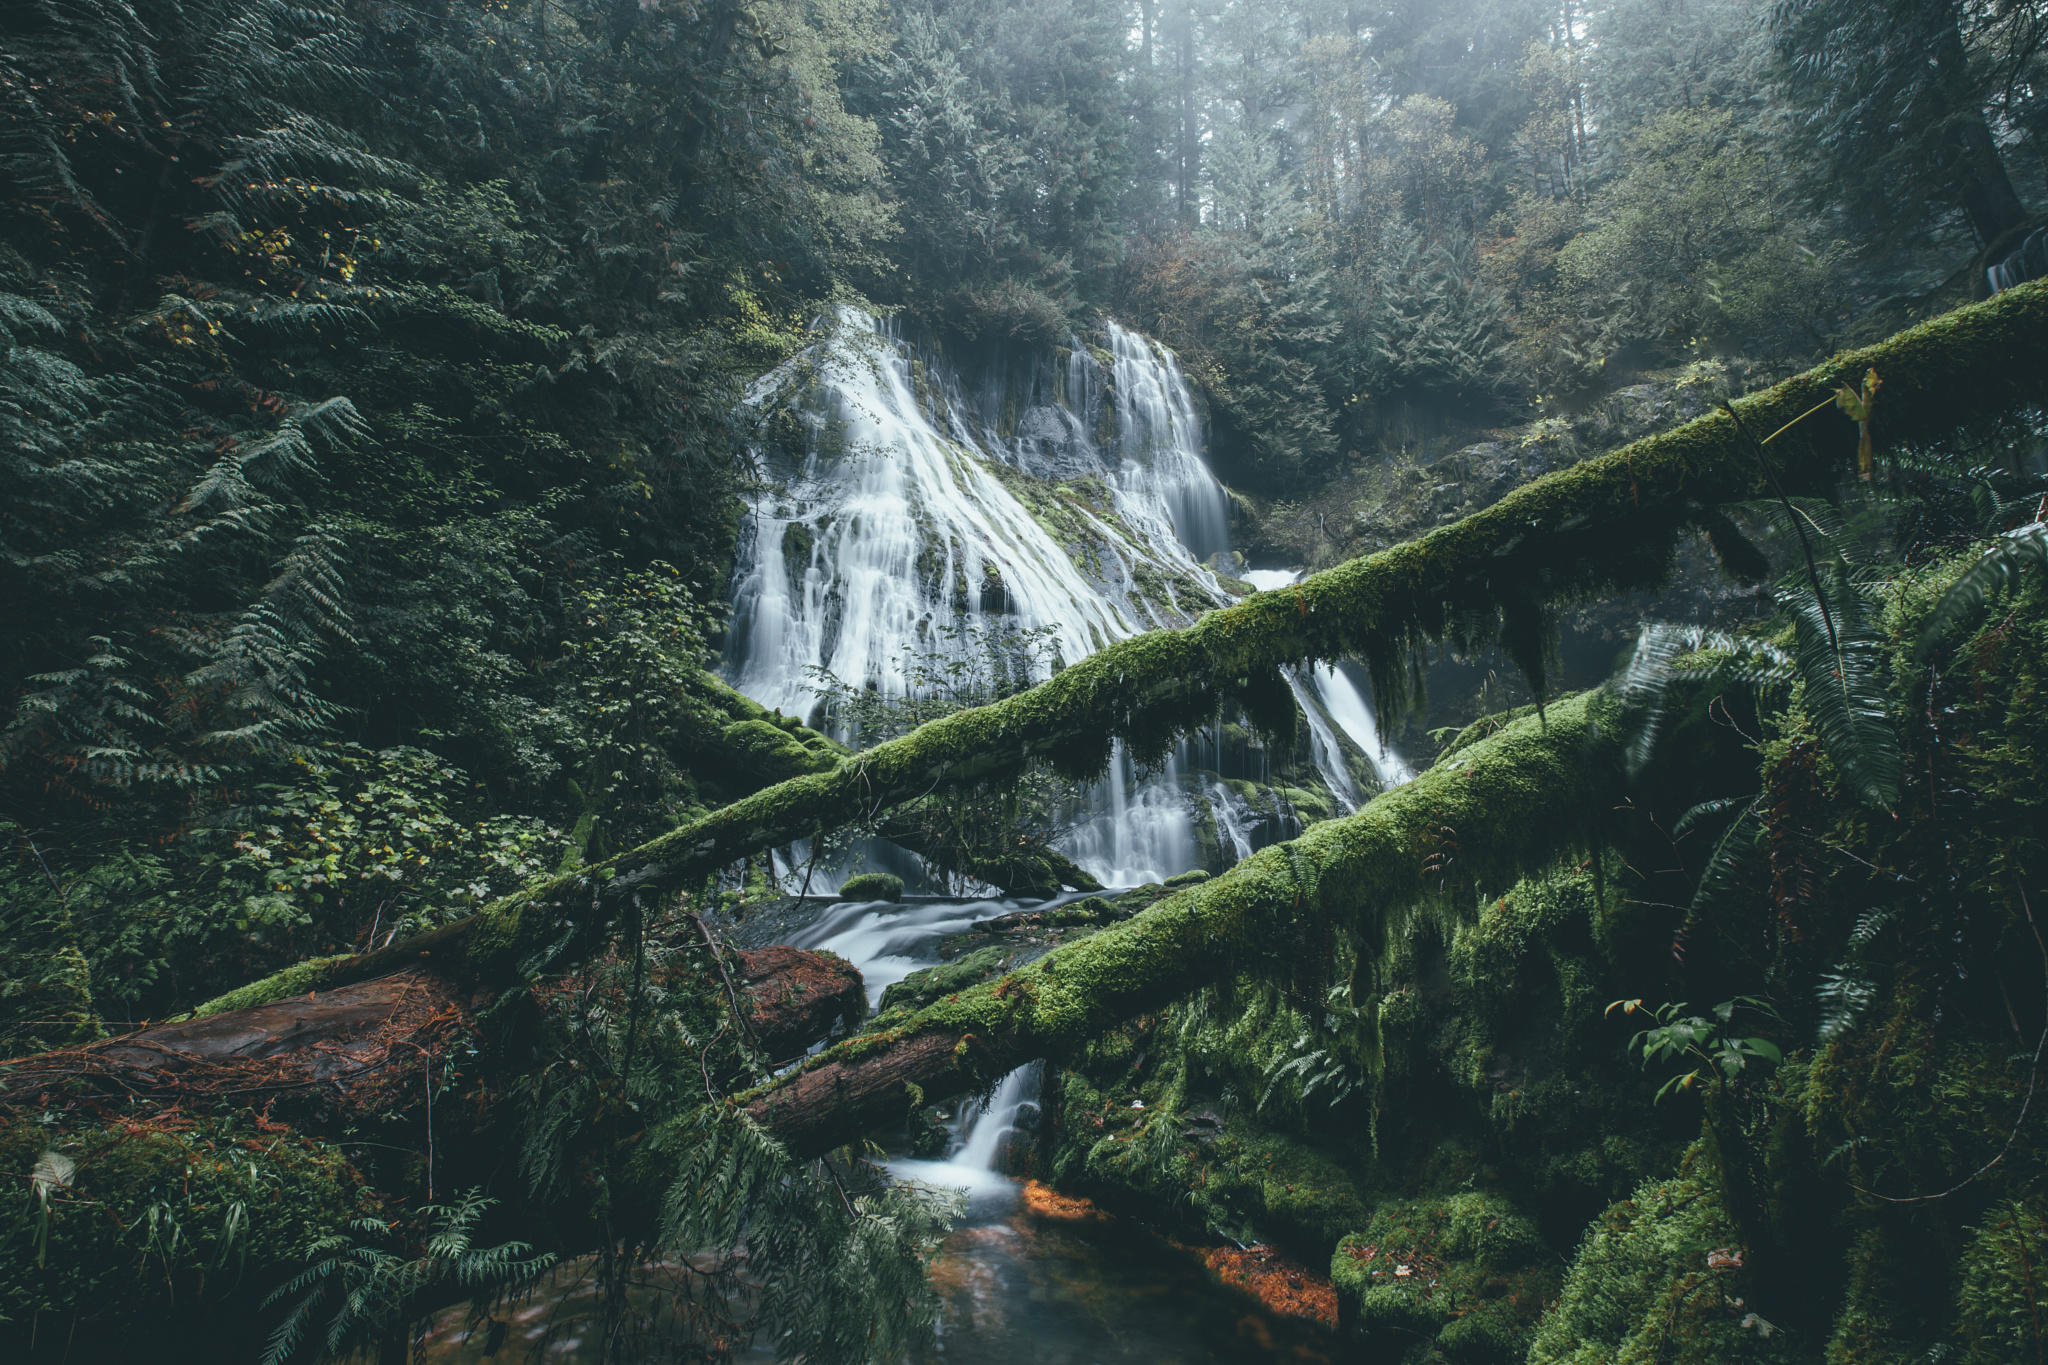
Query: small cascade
x,y
984,1126
1140,831
885,942
1232,830
1347,708
1332,703
1329,754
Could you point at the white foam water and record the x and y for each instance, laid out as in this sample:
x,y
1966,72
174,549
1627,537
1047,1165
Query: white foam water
x,y
896,529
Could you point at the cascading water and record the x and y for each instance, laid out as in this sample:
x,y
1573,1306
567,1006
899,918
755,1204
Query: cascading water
x,y
1347,708
889,540
1331,702
1232,830
986,1125
910,519
1062,503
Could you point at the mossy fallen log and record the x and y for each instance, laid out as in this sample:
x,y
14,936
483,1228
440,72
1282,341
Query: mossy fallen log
x,y
1502,807
1605,525
771,750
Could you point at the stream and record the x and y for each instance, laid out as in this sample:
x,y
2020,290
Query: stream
x,y
1027,1277
926,522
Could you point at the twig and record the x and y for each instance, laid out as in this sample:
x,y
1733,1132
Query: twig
x,y
63,900
732,996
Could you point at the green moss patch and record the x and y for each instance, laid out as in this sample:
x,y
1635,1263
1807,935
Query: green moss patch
x,y
1461,1278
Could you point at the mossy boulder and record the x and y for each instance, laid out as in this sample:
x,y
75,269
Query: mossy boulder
x,y
928,984
1463,1278
872,886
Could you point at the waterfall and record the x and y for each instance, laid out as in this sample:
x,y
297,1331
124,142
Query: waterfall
x,y
1347,708
1332,702
1329,754
889,539
983,1125
909,521
885,943
1231,830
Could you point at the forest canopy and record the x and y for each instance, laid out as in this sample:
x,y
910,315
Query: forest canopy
x,y
388,403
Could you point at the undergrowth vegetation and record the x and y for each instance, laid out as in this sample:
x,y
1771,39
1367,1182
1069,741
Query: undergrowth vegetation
x,y
1830,827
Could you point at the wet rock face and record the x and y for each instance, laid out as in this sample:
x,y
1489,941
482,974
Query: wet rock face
x,y
1052,444
799,997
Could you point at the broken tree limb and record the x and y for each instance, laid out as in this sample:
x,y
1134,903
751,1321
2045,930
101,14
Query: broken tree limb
x,y
1509,804
1607,524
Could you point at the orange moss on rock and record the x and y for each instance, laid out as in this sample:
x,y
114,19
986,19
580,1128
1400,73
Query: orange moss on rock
x,y
1285,1287
1047,1202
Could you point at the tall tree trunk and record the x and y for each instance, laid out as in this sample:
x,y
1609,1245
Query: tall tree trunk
x,y
1988,197
1187,187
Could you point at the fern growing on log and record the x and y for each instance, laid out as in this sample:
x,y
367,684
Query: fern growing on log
x,y
2000,567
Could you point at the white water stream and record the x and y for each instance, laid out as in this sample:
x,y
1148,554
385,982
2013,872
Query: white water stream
x,y
914,520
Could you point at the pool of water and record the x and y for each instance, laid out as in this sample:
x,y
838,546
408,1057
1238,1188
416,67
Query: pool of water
x,y
1021,1285
1026,1277
1023,1280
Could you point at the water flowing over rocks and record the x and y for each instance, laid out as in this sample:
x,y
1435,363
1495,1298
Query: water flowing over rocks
x,y
915,517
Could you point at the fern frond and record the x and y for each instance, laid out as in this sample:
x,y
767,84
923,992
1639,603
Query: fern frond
x,y
1999,567
1731,867
1840,657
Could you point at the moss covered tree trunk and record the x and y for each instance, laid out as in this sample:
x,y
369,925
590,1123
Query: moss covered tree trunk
x,y
1605,525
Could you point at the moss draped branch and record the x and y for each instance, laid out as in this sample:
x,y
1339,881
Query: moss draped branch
x,y
1607,524
1509,803
776,750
